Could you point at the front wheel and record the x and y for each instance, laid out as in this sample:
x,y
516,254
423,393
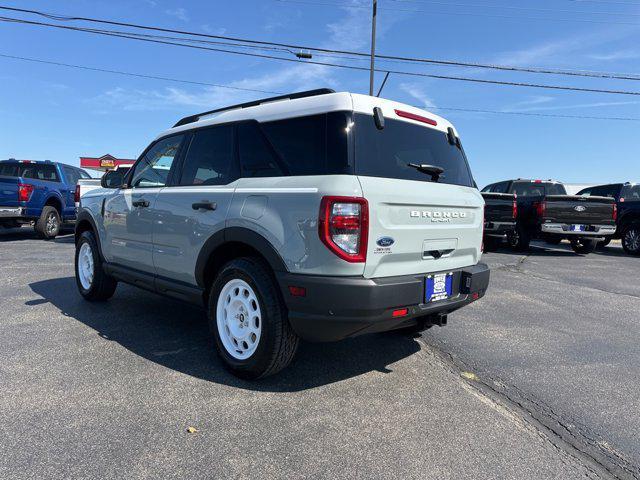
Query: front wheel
x,y
92,281
249,321
584,246
631,239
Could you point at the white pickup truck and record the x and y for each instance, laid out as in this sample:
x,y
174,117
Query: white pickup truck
x,y
86,185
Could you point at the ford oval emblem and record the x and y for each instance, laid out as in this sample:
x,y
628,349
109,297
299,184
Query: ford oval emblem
x,y
580,208
385,241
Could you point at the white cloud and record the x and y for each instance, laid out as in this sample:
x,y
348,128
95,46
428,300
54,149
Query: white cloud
x,y
213,31
618,55
418,92
180,13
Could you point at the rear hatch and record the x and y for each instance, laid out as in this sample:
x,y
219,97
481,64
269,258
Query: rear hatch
x,y
578,210
498,207
417,223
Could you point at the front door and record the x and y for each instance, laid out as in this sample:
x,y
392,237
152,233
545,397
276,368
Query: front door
x,y
129,215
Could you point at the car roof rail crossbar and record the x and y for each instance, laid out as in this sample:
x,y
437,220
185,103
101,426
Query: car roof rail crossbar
x,y
290,96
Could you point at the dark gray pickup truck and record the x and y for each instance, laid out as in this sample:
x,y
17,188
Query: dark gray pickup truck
x,y
545,211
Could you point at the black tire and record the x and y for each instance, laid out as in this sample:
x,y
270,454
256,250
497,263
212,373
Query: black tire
x,y
277,343
604,243
491,243
631,239
584,246
520,239
48,225
103,286
553,240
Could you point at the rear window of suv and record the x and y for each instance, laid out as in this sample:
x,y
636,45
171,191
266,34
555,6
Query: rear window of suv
x,y
386,153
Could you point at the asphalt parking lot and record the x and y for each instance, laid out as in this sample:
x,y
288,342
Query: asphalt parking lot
x,y
540,379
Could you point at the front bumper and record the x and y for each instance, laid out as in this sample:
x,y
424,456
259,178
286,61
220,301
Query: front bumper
x,y
339,307
590,231
11,212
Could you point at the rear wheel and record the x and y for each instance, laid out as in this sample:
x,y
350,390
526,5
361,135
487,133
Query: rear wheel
x,y
519,239
92,281
604,243
248,320
581,245
48,225
631,239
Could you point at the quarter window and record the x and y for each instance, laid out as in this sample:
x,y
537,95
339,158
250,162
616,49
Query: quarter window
x,y
153,169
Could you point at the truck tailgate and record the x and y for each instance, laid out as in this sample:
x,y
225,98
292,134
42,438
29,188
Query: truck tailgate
x,y
498,207
577,209
9,191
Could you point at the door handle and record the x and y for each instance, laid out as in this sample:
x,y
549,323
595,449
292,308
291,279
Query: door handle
x,y
204,206
140,203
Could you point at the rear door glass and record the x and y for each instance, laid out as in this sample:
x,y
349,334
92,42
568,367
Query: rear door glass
x,y
386,153
210,159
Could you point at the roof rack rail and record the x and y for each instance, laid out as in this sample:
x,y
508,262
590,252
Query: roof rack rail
x,y
291,96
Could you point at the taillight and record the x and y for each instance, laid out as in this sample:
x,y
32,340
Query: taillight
x,y
514,211
344,226
24,192
76,196
541,208
615,212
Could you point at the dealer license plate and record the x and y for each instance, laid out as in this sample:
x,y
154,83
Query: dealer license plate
x,y
438,287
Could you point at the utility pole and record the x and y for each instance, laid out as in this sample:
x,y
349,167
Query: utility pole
x,y
373,46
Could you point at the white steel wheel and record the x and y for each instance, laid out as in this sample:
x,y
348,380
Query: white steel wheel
x,y
85,266
239,319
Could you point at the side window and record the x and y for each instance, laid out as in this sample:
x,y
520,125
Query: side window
x,y
257,158
555,189
487,188
210,159
604,191
153,169
586,192
84,174
500,187
71,175
631,193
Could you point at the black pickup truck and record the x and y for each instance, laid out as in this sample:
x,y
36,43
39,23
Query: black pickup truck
x,y
627,198
546,212
500,213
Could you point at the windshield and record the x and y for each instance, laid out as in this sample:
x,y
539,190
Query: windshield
x,y
386,153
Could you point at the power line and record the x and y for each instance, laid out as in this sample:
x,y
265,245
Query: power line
x,y
582,73
470,14
178,80
314,62
138,75
511,7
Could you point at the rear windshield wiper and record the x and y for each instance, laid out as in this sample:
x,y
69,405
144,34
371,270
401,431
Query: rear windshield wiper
x,y
432,170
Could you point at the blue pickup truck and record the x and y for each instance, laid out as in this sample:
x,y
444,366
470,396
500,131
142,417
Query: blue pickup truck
x,y
41,192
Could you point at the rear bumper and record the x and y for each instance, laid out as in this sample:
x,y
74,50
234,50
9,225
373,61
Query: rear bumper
x,y
339,307
591,230
498,229
12,212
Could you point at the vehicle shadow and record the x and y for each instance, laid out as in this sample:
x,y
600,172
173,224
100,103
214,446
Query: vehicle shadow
x,y
176,336
26,233
537,251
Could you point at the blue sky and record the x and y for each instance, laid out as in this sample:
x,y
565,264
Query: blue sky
x,y
57,113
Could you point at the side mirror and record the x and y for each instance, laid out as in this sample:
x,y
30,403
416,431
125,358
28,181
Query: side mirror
x,y
112,179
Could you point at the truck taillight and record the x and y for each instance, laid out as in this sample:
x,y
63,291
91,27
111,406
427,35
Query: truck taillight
x,y
541,208
76,195
615,212
24,192
514,210
344,226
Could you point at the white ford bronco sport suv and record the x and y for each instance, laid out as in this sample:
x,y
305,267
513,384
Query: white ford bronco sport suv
x,y
316,215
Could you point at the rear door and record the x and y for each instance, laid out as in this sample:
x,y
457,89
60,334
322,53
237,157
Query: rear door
x,y
129,214
193,209
417,224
